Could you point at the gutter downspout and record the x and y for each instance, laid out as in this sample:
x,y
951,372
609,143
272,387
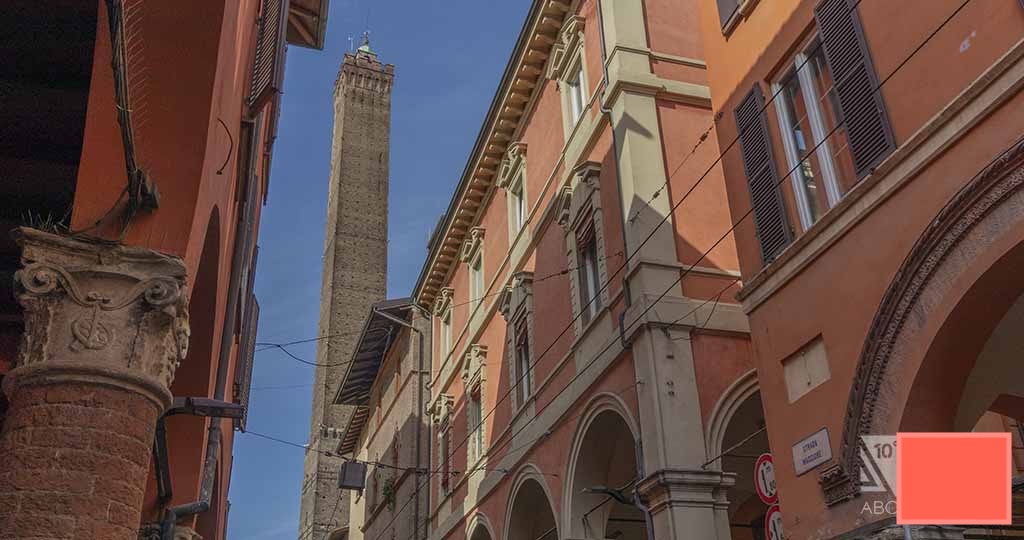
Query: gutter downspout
x,y
615,155
243,236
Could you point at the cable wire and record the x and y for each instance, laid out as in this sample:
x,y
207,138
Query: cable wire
x,y
685,272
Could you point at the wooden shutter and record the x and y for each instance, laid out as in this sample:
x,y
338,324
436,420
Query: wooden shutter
x,y
765,196
268,65
855,84
243,368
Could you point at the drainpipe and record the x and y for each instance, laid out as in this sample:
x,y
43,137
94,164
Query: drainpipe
x,y
243,237
419,415
615,155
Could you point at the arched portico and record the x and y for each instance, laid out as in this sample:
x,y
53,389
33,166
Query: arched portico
x,y
938,354
531,514
480,528
603,458
737,436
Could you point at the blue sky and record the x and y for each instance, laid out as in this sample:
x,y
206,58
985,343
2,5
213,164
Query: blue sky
x,y
448,56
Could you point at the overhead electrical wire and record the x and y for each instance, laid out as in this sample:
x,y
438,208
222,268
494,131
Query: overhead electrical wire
x,y
672,286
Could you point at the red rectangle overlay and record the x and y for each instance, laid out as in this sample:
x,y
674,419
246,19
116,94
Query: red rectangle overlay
x,y
953,478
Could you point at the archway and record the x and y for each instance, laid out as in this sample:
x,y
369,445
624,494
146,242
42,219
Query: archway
x,y
936,355
530,515
744,440
480,529
602,474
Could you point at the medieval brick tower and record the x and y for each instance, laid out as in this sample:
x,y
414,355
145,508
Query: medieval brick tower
x,y
354,270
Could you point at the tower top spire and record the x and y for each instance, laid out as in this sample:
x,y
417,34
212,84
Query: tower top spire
x,y
365,46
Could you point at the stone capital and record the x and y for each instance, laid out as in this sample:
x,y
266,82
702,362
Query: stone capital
x,y
99,313
668,488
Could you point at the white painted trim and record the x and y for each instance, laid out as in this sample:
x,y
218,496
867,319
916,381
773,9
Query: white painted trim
x,y
478,520
600,403
730,401
529,472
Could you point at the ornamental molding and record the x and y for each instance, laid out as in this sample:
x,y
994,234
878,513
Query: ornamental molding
x,y
473,365
515,295
941,247
442,408
511,165
444,301
474,243
582,193
570,39
98,311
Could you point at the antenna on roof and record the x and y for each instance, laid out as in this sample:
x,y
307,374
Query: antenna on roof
x,y
351,43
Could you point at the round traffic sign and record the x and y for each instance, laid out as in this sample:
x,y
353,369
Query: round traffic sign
x,y
764,480
773,523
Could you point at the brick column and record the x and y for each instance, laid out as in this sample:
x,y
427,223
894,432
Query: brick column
x,y
105,327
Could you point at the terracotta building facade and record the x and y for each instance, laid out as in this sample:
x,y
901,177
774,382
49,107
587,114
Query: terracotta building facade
x,y
133,178
590,361
875,182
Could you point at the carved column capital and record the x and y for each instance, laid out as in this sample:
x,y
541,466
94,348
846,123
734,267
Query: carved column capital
x,y
100,313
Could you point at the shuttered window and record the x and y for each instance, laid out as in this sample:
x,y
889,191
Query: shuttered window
x,y
243,368
855,84
268,65
770,221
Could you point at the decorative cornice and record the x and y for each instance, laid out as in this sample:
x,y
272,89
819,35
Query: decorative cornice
x,y
523,75
569,39
574,197
96,311
998,183
515,294
442,407
473,365
473,244
515,159
444,300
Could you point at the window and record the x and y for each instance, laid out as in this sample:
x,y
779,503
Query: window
x,y
476,431
522,372
574,88
444,454
517,205
808,112
726,9
476,280
590,300
446,334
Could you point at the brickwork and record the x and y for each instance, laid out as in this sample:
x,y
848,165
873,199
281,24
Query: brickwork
x,y
76,460
354,271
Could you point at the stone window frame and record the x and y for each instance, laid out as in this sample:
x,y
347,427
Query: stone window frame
x,y
442,411
443,313
474,383
567,59
512,174
473,252
516,305
580,203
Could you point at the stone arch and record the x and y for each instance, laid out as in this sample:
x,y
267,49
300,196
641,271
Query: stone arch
x,y
614,466
480,528
725,409
531,509
975,242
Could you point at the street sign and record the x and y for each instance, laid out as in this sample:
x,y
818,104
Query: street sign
x,y
764,480
773,524
812,451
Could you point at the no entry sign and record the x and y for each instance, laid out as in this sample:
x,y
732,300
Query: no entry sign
x,y
764,480
773,524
